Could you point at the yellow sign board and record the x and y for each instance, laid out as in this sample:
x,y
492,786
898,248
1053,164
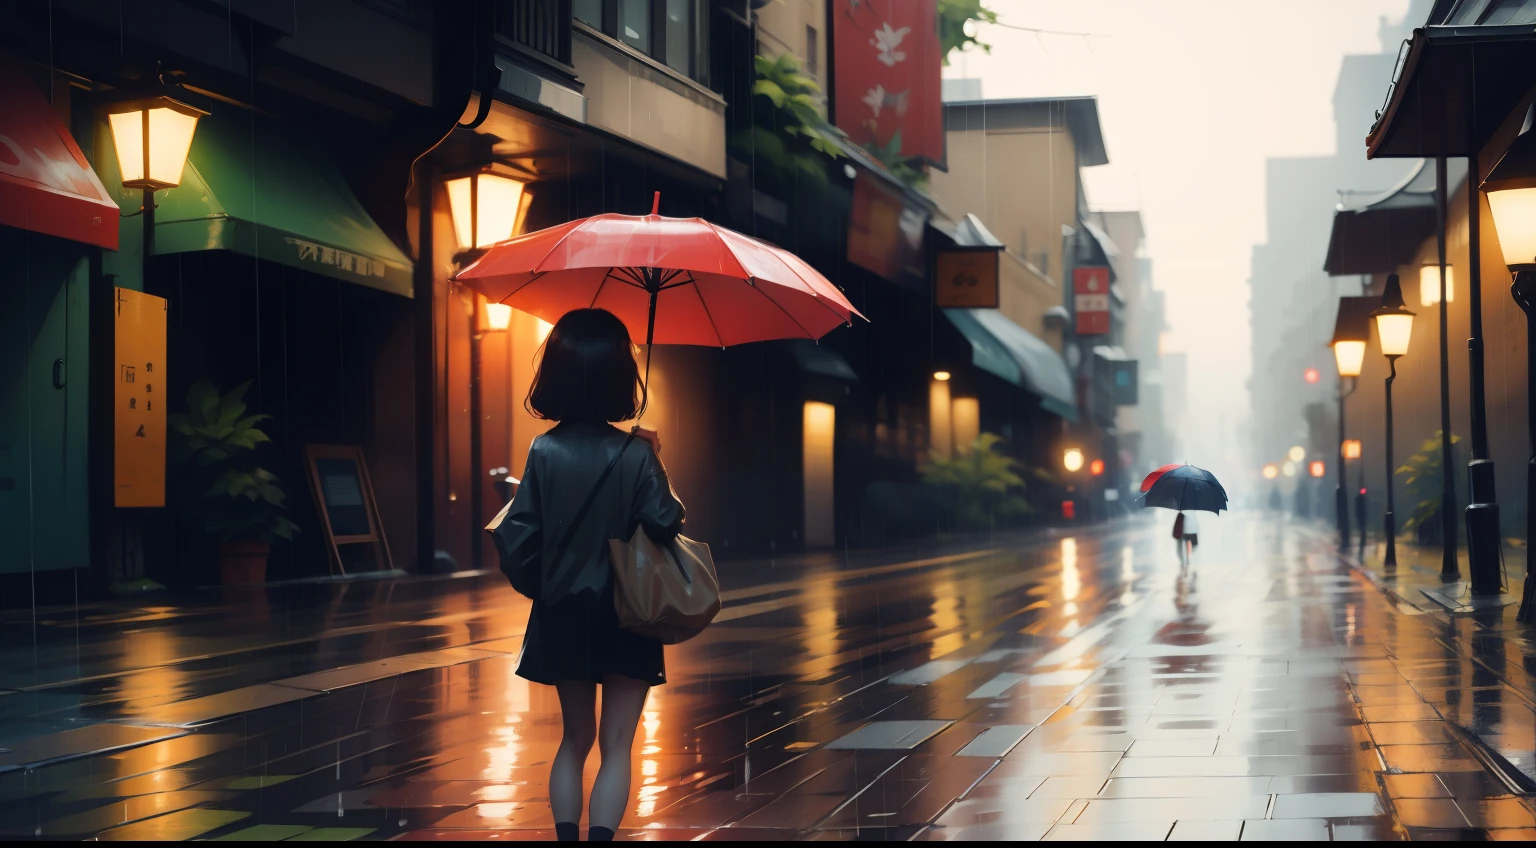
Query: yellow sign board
x,y
966,279
138,418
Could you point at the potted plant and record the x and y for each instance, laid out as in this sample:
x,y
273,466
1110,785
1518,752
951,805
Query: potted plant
x,y
235,500
981,486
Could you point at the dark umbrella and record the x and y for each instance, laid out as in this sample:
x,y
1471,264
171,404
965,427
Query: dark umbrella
x,y
1183,488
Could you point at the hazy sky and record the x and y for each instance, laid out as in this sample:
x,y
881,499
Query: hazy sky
x,y
1193,95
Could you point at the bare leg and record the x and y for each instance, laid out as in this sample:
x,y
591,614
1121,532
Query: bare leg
x,y
623,701
577,714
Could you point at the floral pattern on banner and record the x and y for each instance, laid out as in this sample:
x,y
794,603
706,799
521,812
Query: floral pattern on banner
x,y
888,67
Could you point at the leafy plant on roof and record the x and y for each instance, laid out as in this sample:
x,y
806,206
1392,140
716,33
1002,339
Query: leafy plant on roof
x,y
798,138
953,17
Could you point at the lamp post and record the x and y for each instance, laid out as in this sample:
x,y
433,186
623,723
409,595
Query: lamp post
x,y
1394,327
1436,282
152,137
1350,335
1511,188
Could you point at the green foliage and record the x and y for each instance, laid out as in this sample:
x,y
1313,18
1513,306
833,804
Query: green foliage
x,y
981,485
801,140
1422,480
953,15
214,451
890,156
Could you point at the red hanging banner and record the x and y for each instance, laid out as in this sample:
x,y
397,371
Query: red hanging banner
x,y
1090,289
887,71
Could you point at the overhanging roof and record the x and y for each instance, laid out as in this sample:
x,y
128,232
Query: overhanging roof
x,y
1013,353
1380,232
1462,76
1081,114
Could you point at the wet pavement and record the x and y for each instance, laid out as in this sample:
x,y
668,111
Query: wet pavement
x,y
1056,686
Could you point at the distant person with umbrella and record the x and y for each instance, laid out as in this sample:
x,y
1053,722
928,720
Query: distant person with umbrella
x,y
1185,489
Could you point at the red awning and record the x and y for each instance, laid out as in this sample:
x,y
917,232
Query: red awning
x,y
46,185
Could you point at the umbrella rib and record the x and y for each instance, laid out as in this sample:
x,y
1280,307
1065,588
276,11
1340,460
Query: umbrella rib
x,y
599,293
531,281
756,288
700,293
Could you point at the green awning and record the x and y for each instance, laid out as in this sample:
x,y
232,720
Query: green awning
x,y
258,189
1013,353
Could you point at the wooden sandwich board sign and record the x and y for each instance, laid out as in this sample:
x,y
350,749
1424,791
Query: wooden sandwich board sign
x,y
338,478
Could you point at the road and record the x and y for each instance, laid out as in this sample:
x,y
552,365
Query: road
x,y
1052,685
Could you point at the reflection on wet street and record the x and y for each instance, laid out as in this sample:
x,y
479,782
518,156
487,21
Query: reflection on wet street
x,y
1050,686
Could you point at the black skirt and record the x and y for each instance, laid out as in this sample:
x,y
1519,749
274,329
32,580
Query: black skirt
x,y
579,638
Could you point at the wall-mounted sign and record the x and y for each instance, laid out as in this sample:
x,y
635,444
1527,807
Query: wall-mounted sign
x,y
1090,289
966,278
138,416
885,233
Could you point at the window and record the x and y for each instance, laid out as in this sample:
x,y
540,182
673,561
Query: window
x,y
811,51
678,52
635,24
589,12
673,32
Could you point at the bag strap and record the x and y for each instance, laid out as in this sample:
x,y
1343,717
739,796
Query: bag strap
x,y
581,514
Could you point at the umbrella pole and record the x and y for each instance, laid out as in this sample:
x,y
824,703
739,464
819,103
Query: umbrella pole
x,y
650,336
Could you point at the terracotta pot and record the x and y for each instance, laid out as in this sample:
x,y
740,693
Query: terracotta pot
x,y
243,563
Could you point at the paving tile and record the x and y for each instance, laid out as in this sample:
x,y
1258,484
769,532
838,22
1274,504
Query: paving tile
x,y
1512,835
68,744
995,741
1398,712
1411,733
263,833
1415,786
1420,758
1327,805
1287,830
179,826
332,834
889,735
1195,830
123,811
1068,787
1430,813
1184,787
997,686
1498,813
1110,832
1172,748
246,699
1218,766
1161,809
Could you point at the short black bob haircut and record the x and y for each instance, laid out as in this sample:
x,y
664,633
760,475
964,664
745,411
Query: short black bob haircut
x,y
587,371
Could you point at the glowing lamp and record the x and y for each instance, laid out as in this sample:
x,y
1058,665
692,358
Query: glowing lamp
x,y
1271,472
1351,448
1349,357
1317,468
1296,454
1096,467
498,316
1288,469
487,207
1429,285
1511,189
1072,460
1394,323
152,137
941,376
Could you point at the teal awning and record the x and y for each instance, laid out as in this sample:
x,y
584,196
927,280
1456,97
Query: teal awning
x,y
257,189
1013,353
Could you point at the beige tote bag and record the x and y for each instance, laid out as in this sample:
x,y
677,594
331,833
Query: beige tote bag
x,y
669,594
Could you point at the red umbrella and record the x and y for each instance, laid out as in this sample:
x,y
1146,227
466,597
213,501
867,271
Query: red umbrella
x,y
670,280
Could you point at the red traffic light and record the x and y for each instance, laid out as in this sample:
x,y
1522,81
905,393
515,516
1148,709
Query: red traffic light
x,y
1311,375
1096,467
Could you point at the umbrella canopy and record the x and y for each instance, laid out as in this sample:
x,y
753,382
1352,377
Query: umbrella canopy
x,y
670,280
1184,488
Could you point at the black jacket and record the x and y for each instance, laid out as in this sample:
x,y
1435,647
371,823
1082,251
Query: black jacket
x,y
563,466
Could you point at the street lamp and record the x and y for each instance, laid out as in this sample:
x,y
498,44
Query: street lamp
x,y
1296,454
1429,284
498,316
488,205
1511,188
1351,331
152,137
1072,460
1394,328
1271,471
